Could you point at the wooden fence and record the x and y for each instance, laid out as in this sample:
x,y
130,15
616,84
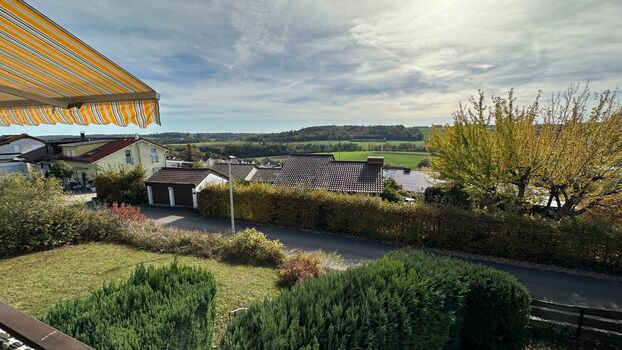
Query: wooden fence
x,y
600,324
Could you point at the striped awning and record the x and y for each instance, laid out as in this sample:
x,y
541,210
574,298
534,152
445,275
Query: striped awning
x,y
48,76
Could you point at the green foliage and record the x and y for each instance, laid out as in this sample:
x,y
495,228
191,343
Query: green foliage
x,y
343,132
573,243
157,308
452,195
250,246
424,163
380,306
123,186
407,300
34,216
391,191
61,170
492,308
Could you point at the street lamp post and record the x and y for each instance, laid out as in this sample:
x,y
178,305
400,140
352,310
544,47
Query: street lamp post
x,y
231,196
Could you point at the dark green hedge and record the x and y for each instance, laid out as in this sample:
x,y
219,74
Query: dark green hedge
x,y
407,300
123,186
570,242
492,309
157,308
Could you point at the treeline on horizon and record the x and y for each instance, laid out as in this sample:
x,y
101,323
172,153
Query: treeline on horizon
x,y
314,133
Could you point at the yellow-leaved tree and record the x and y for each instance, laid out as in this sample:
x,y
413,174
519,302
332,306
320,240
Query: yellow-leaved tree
x,y
568,150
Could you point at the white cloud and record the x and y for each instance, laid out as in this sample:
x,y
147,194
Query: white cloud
x,y
346,61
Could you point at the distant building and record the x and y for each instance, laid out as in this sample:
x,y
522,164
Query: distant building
x,y
12,147
410,180
323,171
88,156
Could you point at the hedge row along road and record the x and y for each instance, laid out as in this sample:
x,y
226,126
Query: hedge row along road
x,y
552,286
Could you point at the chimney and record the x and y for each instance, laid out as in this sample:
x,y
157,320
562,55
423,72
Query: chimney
x,y
82,135
375,161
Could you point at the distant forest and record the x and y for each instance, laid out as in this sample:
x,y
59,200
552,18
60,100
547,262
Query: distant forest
x,y
314,133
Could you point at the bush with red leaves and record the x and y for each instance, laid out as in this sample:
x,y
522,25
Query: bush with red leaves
x,y
127,213
301,267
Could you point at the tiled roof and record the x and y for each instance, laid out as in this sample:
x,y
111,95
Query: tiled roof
x,y
181,176
35,155
322,171
238,171
411,180
266,174
304,170
6,139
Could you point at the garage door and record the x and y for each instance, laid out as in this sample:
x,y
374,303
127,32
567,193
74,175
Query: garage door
x,y
160,194
183,195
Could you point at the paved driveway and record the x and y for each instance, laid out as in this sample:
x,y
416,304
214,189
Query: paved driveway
x,y
553,286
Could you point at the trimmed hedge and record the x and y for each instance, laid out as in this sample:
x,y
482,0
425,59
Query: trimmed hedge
x,y
122,186
157,308
572,242
407,300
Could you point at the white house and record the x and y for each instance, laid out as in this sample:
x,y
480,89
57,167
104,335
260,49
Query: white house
x,y
12,146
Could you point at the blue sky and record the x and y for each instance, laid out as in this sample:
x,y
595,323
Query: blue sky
x,y
272,65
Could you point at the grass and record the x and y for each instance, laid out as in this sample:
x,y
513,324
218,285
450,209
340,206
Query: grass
x,y
363,144
399,159
44,278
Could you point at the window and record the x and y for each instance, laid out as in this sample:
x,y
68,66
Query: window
x,y
154,155
17,149
128,156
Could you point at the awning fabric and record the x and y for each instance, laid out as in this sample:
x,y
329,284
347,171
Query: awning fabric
x,y
49,76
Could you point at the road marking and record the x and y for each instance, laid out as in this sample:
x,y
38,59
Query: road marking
x,y
168,219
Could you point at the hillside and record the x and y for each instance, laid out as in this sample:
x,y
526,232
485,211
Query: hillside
x,y
343,132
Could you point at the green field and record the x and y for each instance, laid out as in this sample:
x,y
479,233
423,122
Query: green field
x,y
400,159
363,144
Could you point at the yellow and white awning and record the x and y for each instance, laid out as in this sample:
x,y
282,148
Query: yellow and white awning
x,y
49,76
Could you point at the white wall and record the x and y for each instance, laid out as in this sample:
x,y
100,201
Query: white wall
x,y
19,147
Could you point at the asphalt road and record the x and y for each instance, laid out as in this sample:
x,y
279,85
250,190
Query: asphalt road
x,y
552,286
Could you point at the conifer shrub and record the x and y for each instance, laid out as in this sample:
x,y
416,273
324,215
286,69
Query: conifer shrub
x,y
407,300
157,308
383,305
493,307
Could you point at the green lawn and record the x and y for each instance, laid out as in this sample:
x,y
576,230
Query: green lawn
x,y
400,159
39,280
363,144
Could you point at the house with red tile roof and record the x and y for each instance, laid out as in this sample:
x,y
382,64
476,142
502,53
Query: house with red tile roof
x,y
88,156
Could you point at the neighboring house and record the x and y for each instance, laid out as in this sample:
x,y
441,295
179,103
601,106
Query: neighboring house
x,y
323,171
410,180
88,156
248,172
178,187
12,146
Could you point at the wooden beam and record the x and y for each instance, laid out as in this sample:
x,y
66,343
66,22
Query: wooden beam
x,y
76,101
33,97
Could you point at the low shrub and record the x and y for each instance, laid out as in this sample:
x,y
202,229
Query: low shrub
x,y
301,267
34,216
379,306
152,237
157,308
250,246
575,242
407,300
127,213
122,186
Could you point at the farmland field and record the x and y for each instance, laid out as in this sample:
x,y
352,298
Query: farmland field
x,y
363,144
400,159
